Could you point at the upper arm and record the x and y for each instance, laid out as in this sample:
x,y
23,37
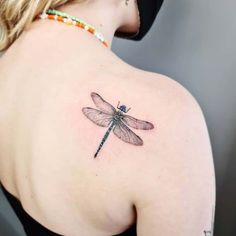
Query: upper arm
x,y
175,194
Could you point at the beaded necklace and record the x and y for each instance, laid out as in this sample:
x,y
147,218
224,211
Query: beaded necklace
x,y
53,14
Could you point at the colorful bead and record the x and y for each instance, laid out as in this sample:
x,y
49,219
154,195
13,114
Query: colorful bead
x,y
71,20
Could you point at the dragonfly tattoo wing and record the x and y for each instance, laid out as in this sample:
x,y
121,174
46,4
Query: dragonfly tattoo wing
x,y
107,116
102,104
98,117
127,135
137,124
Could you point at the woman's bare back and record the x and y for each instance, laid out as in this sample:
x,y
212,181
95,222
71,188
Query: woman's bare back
x,y
47,145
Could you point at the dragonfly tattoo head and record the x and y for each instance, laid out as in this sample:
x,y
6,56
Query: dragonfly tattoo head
x,y
116,120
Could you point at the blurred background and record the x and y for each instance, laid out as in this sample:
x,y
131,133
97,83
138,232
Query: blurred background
x,y
193,42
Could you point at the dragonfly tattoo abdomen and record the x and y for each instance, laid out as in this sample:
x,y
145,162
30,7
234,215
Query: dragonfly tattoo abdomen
x,y
107,116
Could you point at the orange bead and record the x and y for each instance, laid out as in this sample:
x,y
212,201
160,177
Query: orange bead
x,y
91,30
60,18
105,43
51,17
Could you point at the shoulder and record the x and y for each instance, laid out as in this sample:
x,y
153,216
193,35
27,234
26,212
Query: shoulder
x,y
180,121
168,94
179,155
180,133
175,180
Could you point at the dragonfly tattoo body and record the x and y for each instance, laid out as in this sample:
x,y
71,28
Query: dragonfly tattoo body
x,y
116,120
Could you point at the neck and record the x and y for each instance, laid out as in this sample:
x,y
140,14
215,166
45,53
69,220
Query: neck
x,y
105,16
70,42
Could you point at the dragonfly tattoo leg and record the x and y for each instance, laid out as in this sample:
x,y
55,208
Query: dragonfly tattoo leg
x,y
118,105
104,138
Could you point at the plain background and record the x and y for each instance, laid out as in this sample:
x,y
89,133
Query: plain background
x,y
192,42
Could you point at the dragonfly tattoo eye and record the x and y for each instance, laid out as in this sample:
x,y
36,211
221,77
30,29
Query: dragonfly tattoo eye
x,y
116,120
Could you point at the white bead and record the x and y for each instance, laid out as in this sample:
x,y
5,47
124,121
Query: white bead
x,y
65,20
55,17
98,34
86,27
74,22
69,20
43,16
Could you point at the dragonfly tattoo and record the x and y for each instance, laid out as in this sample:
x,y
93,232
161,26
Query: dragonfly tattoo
x,y
116,120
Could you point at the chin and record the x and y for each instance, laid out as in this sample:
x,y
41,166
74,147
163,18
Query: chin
x,y
132,29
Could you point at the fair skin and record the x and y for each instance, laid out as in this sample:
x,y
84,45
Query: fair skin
x,y
166,186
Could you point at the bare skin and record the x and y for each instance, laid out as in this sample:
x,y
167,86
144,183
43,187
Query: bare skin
x,y
47,145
